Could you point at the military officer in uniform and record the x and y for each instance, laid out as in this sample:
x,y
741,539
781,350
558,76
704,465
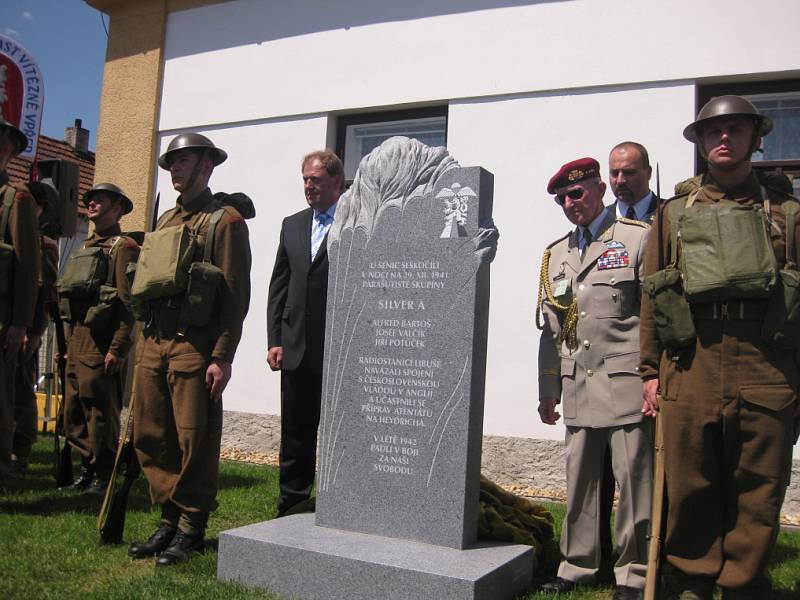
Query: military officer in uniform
x,y
98,340
727,381
183,368
19,280
25,406
588,363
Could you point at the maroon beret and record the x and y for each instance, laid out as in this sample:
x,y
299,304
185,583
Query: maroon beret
x,y
573,172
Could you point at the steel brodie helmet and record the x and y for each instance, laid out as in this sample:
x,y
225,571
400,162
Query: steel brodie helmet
x,y
114,191
196,141
15,134
724,106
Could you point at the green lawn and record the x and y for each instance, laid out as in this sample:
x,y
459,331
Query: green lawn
x,y
49,544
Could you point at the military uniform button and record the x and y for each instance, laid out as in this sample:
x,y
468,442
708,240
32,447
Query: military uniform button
x,y
581,286
583,314
613,280
586,344
589,372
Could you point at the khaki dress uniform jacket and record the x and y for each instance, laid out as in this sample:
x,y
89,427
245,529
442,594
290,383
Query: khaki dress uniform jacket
x,y
16,305
601,394
93,398
25,406
728,403
177,427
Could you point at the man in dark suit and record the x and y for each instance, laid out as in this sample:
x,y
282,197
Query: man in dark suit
x,y
629,174
296,323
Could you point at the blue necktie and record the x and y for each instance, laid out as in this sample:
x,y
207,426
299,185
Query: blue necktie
x,y
318,231
631,214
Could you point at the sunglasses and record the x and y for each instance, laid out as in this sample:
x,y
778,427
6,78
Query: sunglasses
x,y
574,194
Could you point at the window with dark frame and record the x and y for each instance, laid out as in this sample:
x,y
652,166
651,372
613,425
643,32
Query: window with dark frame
x,y
780,101
358,134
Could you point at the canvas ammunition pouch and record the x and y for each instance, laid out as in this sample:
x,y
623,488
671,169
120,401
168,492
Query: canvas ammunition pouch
x,y
6,249
86,271
204,281
164,261
85,296
781,327
725,252
671,312
168,278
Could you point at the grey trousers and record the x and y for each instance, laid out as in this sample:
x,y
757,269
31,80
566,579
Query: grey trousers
x,y
632,463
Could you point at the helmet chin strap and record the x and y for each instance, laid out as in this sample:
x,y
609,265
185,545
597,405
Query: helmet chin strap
x,y
198,167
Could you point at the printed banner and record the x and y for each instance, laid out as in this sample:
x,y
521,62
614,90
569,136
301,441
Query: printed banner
x,y
21,91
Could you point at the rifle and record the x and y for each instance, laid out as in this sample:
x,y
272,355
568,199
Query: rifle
x,y
658,182
111,520
62,464
657,516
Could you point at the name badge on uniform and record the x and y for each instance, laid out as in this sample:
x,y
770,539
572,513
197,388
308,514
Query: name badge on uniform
x,y
562,288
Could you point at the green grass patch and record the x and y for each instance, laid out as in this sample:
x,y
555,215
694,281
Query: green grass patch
x,y
49,545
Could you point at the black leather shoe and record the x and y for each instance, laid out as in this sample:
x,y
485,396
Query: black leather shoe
x,y
80,484
624,592
558,586
182,548
155,544
96,488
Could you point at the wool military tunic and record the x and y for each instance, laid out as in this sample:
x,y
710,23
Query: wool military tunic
x,y
728,402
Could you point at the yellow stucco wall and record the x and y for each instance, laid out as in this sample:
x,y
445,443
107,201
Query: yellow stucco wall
x,y
131,97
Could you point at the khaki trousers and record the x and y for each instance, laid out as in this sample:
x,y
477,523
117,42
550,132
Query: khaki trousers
x,y
177,427
7,385
26,411
91,402
632,463
728,409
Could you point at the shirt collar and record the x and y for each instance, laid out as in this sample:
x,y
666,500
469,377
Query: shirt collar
x,y
331,212
595,225
640,207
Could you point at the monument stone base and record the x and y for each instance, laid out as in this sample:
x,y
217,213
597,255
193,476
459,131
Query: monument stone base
x,y
295,558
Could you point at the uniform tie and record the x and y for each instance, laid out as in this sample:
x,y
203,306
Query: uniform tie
x,y
631,214
587,239
318,230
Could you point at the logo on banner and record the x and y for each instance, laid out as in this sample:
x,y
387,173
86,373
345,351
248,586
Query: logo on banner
x,y
21,91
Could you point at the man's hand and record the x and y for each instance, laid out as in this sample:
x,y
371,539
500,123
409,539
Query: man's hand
x,y
111,363
218,374
547,410
15,341
275,358
650,398
31,345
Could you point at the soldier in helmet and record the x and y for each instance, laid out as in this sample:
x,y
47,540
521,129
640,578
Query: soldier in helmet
x,y
718,357
20,268
94,301
188,343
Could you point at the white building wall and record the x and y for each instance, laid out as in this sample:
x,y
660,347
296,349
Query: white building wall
x,y
530,86
523,140
255,59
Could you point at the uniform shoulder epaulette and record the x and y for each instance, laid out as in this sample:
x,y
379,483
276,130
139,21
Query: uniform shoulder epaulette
x,y
561,239
687,186
628,221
